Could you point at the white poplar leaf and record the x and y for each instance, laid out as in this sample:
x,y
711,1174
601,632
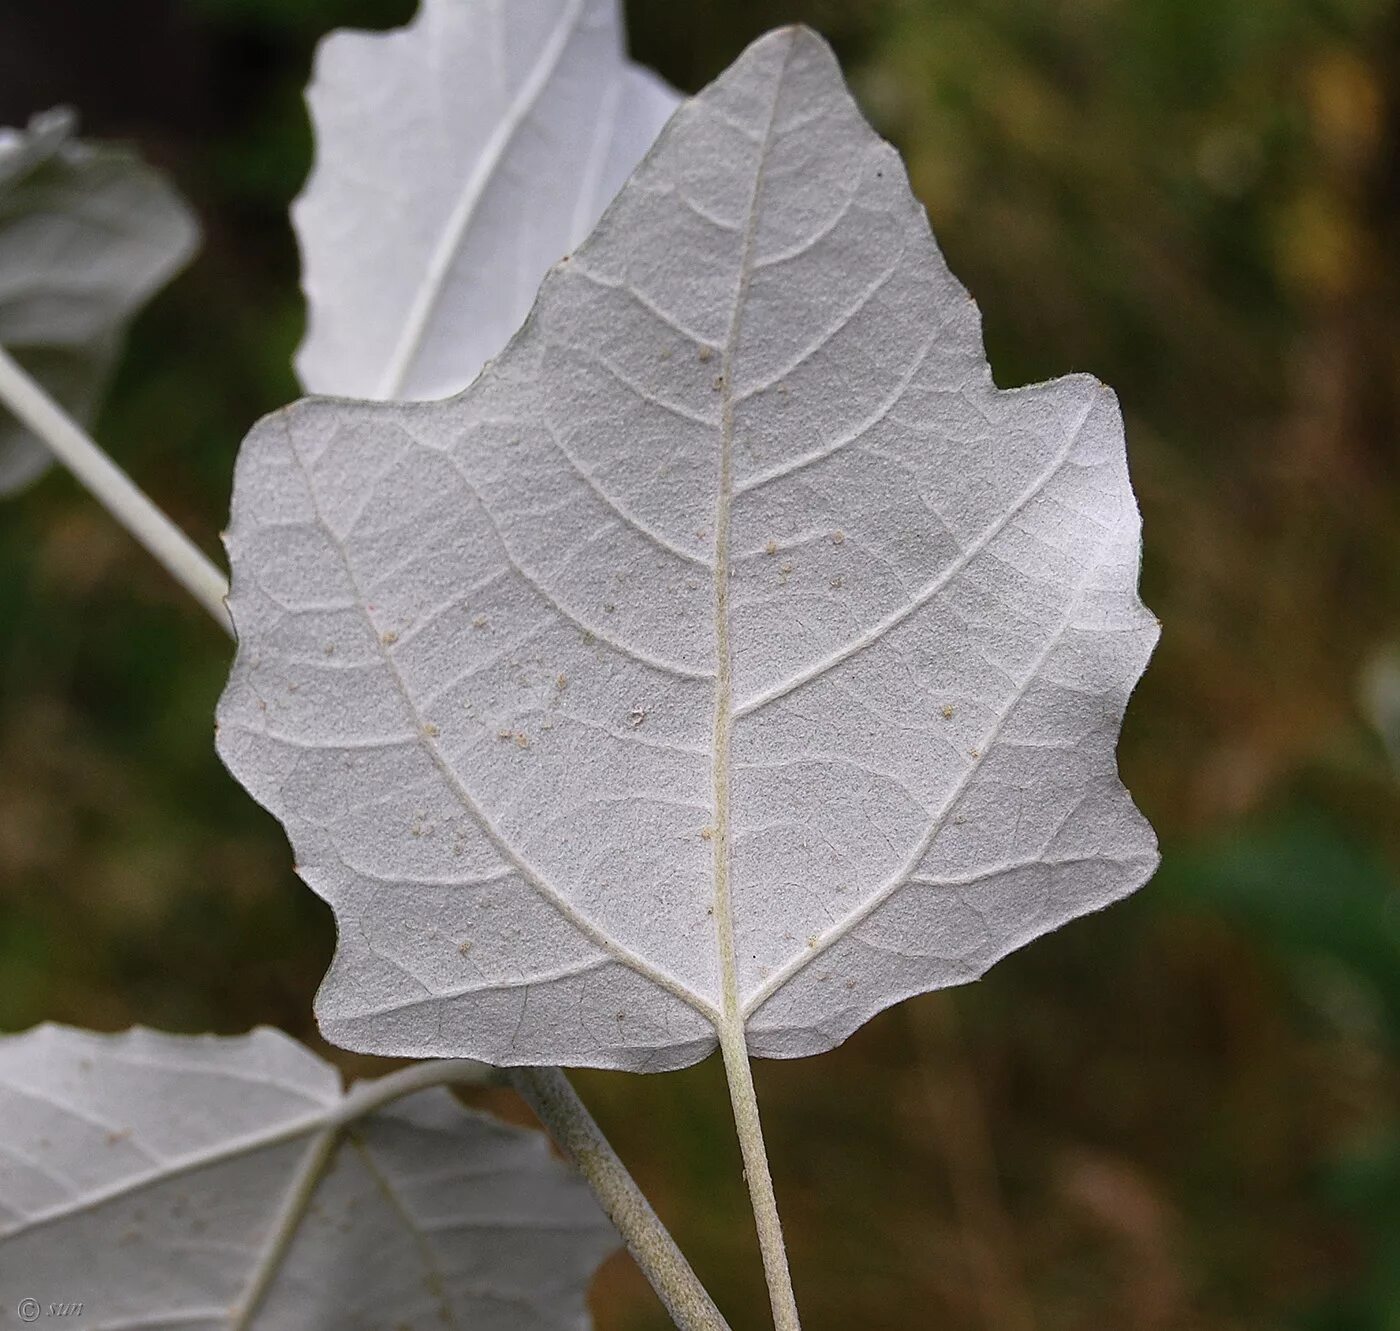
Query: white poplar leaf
x,y
88,234
204,1181
456,160
733,650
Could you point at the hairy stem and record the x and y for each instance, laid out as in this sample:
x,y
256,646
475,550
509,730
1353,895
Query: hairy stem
x,y
550,1094
113,489
757,1175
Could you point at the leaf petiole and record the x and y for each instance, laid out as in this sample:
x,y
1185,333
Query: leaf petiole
x,y
757,1175
114,490
549,1093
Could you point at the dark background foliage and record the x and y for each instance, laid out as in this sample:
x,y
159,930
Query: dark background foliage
x,y
1183,1113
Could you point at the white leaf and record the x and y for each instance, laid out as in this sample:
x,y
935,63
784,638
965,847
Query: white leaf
x,y
87,235
456,160
165,1180
732,649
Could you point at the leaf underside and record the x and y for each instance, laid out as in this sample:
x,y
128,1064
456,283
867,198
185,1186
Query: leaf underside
x,y
87,236
732,650
456,160
202,1182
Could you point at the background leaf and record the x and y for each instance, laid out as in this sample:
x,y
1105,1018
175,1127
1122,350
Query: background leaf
x,y
87,235
228,1181
493,137
732,650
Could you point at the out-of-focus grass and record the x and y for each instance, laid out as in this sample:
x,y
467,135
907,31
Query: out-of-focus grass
x,y
1183,1113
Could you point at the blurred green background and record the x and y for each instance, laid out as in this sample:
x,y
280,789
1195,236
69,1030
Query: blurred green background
x,y
1183,1113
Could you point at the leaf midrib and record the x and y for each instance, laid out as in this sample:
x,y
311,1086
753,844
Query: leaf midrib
x,y
430,289
730,1008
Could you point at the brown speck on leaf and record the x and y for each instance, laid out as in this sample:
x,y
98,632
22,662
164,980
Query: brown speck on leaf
x,y
522,740
948,711
975,753
561,682
719,382
465,947
505,734
812,940
771,548
609,607
330,649
838,582
431,731
636,716
707,834
787,567
388,637
705,354
118,1136
589,637
479,622
838,538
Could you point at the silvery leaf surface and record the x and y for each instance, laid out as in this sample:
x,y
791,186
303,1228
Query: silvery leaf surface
x,y
456,160
733,650
207,1182
88,234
